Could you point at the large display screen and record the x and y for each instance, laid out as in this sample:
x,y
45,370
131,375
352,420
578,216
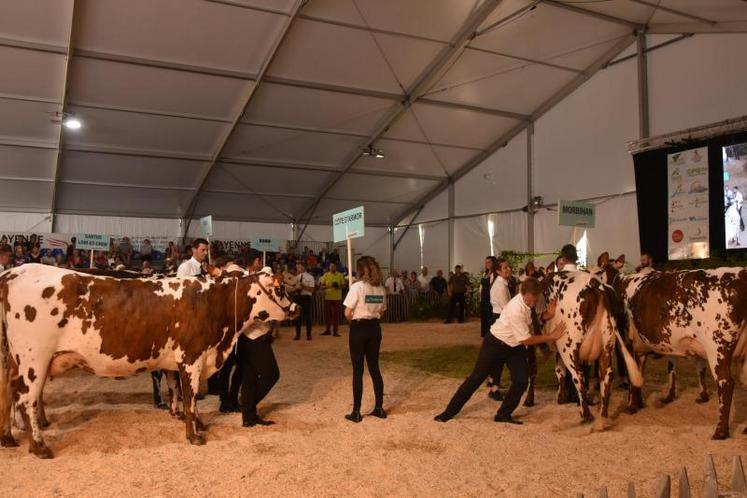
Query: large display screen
x,y
735,187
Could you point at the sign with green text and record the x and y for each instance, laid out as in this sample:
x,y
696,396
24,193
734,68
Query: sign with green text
x,y
575,214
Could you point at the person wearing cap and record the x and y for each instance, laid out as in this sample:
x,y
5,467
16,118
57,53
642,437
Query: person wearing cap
x,y
364,306
506,342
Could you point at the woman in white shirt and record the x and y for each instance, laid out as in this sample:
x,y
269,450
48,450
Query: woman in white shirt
x,y
364,306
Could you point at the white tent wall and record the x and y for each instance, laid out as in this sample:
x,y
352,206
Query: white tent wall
x,y
117,225
239,230
407,254
25,222
697,81
472,238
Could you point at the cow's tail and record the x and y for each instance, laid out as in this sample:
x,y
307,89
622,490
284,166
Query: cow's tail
x,y
618,312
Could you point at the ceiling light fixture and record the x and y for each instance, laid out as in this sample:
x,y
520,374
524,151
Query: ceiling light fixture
x,y
72,123
373,152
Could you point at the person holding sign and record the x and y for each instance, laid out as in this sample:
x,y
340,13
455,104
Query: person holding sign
x,y
332,283
364,306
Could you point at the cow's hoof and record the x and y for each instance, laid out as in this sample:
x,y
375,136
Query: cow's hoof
x,y
744,431
667,399
587,419
161,405
702,398
40,450
630,410
200,425
7,441
720,435
197,440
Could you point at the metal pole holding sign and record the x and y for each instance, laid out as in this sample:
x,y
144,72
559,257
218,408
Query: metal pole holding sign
x,y
264,259
90,264
350,263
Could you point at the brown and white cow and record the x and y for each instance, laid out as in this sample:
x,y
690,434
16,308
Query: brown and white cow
x,y
55,319
701,313
585,304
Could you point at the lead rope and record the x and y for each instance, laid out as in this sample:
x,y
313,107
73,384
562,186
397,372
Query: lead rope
x,y
236,313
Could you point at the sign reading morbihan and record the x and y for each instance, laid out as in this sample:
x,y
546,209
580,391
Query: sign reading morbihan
x,y
266,244
92,242
575,214
348,224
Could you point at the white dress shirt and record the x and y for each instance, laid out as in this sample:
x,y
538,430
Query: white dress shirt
x,y
425,282
394,285
307,280
499,295
189,268
570,267
514,324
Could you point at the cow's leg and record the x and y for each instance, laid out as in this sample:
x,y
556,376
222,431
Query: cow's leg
x,y
28,387
719,358
43,422
605,377
532,362
701,366
635,397
672,387
577,374
171,382
190,377
560,373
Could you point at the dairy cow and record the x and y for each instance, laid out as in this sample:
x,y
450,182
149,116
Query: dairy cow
x,y
55,319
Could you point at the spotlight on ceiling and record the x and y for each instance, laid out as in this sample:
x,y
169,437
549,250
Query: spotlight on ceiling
x,y
72,123
373,152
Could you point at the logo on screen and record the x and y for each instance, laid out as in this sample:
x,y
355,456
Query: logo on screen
x,y
677,236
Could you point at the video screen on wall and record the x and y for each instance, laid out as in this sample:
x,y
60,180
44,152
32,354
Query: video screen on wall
x,y
735,187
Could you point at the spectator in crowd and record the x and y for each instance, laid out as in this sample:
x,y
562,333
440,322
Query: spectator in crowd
x,y
100,260
394,284
458,286
70,249
311,259
34,255
146,250
305,289
29,244
19,257
147,268
125,251
425,280
334,256
172,253
438,283
529,271
646,262
412,285
59,261
47,258
5,256
619,262
489,277
332,282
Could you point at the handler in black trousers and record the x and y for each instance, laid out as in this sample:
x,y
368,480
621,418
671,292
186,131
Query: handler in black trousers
x,y
364,306
507,342
259,373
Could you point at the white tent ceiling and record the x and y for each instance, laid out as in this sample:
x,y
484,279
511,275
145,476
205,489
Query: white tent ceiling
x,y
260,109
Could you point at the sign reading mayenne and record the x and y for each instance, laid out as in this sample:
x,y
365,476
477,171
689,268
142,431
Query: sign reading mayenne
x,y
348,224
90,241
572,214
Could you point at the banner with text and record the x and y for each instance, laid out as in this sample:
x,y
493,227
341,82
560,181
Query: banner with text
x,y
689,224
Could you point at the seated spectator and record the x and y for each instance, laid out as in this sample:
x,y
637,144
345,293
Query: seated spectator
x,y
59,261
5,255
19,257
78,260
147,268
412,284
311,259
29,245
125,250
47,258
100,260
394,284
34,255
438,283
529,272
334,257
146,251
119,264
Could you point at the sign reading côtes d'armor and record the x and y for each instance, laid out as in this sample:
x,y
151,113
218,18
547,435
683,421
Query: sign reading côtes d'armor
x,y
348,224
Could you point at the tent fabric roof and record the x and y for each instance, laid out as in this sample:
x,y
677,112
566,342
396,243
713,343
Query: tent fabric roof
x,y
259,110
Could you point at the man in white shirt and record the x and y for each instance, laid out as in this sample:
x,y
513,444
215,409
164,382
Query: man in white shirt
x,y
425,280
192,267
568,258
305,287
739,199
500,295
507,342
394,284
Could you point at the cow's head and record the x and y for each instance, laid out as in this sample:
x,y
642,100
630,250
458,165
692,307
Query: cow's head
x,y
272,302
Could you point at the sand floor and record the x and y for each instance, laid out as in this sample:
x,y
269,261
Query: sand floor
x,y
108,440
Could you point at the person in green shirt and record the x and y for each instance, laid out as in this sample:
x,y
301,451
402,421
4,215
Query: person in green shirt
x,y
332,283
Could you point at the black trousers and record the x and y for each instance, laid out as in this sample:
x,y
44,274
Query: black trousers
x,y
305,303
487,318
229,384
457,298
259,372
365,343
492,352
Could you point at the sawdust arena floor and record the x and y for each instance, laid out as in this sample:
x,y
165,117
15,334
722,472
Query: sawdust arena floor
x,y
108,440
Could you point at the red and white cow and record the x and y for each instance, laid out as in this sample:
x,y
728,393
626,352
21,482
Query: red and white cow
x,y
701,313
55,319
585,304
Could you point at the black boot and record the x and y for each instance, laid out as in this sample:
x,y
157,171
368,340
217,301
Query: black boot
x,y
378,412
354,416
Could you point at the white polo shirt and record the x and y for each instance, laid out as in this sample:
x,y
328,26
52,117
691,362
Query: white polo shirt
x,y
189,268
499,295
514,324
425,282
307,280
366,301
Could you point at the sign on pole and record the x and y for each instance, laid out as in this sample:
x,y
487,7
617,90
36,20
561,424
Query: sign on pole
x,y
91,242
574,214
346,226
266,244
206,225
